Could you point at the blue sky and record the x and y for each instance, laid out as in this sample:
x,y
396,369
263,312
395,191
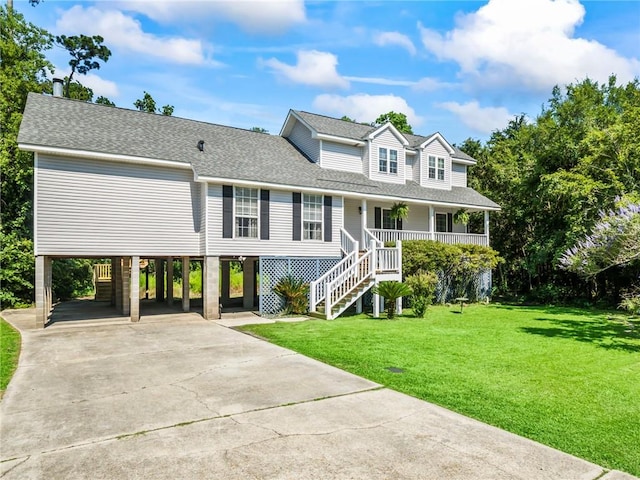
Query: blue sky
x,y
461,68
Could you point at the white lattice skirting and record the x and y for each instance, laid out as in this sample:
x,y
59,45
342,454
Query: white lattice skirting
x,y
272,269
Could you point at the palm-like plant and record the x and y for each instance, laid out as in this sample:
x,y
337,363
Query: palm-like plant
x,y
294,291
392,291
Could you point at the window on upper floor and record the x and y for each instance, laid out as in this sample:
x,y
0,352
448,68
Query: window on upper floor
x,y
312,217
246,212
436,167
387,160
393,161
382,160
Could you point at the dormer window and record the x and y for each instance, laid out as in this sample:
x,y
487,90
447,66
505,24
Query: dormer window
x,y
382,160
436,168
387,164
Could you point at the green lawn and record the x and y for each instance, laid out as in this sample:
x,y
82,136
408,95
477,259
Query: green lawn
x,y
568,378
9,352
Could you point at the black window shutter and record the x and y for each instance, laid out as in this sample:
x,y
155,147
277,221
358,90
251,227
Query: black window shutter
x,y
264,214
227,211
377,221
328,231
399,224
449,222
297,215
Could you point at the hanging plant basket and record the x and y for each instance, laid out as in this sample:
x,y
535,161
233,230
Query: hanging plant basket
x,y
399,211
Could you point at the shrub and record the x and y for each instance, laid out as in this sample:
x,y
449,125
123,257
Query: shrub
x,y
424,286
631,302
457,266
72,277
391,291
294,292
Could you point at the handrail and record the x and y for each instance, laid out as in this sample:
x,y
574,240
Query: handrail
x,y
344,283
102,271
317,288
444,237
370,237
348,244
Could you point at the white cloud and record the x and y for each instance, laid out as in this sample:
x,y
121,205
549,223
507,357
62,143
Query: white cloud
x,y
529,43
254,16
312,68
480,119
365,108
382,81
123,31
99,85
394,38
430,84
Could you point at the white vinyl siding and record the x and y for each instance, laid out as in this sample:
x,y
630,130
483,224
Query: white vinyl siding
x,y
387,141
352,217
437,150
408,167
301,137
335,156
280,230
458,175
102,208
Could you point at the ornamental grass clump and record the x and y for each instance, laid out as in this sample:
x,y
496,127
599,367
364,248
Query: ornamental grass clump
x,y
295,292
424,286
391,291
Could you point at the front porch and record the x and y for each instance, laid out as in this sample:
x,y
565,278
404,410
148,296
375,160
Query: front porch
x,y
424,222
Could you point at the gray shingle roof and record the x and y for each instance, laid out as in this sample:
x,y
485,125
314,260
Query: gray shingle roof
x,y
229,153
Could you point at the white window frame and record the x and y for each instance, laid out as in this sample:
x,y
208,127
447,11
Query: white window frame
x,y
306,223
434,171
380,159
393,162
237,228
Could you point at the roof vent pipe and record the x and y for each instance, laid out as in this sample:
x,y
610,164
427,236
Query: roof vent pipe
x,y
57,87
201,145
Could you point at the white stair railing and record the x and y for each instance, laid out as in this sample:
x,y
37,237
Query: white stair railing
x,y
370,237
347,243
345,283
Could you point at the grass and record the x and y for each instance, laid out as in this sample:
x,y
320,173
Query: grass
x,y
9,353
568,378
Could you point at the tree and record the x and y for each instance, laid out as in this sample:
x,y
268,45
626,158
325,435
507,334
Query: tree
x,y
398,120
613,242
104,101
83,50
259,130
148,104
23,69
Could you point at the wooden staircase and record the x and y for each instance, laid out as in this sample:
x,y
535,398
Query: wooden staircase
x,y
102,281
358,271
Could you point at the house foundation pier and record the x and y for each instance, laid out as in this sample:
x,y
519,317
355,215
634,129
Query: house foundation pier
x,y
210,288
185,284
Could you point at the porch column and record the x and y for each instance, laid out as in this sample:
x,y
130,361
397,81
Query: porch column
x,y
486,225
226,281
185,284
399,301
41,309
134,295
170,280
210,288
159,280
376,305
113,281
432,222
248,283
363,222
126,286
116,273
48,284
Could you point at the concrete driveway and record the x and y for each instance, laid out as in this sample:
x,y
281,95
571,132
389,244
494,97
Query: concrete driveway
x,y
178,397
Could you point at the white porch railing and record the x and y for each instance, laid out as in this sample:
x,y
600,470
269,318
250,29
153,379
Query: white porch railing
x,y
444,237
347,243
345,283
318,288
